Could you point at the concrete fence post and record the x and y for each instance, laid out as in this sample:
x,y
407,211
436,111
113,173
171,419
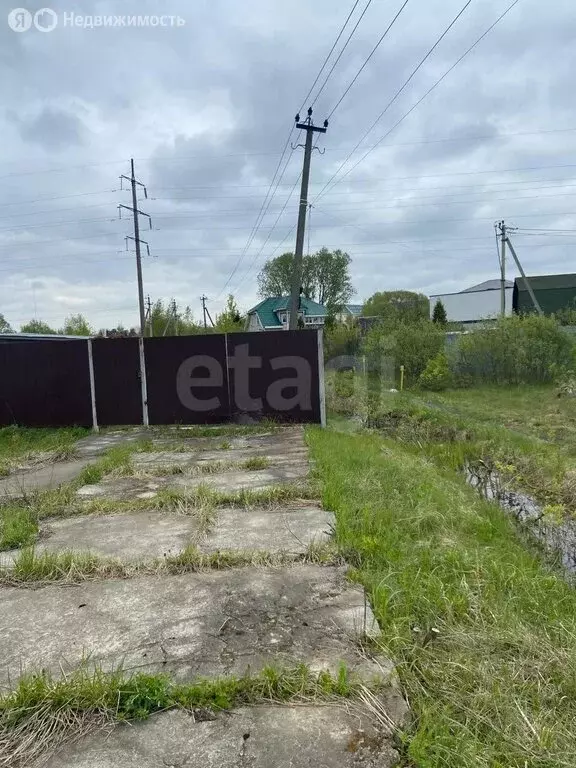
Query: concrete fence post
x,y
95,426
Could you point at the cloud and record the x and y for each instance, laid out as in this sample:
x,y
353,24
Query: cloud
x,y
51,128
205,110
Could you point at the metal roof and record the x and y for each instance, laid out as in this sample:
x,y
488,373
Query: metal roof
x,y
488,285
268,308
547,282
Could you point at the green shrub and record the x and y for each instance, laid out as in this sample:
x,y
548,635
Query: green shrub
x,y
516,350
344,383
409,344
437,375
341,340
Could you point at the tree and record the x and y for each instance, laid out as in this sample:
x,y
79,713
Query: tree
x,y
230,320
333,287
439,315
325,277
77,325
5,325
38,326
169,320
398,306
275,278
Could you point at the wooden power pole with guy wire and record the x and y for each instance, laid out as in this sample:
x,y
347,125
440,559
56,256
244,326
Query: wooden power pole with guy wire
x,y
310,129
502,227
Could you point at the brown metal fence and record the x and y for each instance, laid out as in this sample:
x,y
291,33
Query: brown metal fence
x,y
187,379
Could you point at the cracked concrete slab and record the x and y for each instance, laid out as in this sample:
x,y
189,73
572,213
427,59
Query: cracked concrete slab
x,y
204,624
21,484
126,488
145,535
281,440
290,530
96,444
129,537
343,735
171,459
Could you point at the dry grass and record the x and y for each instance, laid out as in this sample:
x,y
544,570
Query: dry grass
x,y
37,737
31,569
44,713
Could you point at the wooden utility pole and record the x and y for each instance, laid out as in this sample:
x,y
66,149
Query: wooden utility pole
x,y
310,129
502,228
205,311
136,214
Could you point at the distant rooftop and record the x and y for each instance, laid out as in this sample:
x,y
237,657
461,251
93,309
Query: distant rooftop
x,y
488,285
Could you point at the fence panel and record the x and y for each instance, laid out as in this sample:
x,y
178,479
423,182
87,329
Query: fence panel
x,y
275,374
117,381
44,383
187,379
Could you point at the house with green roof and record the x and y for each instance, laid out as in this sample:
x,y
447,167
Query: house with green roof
x,y
273,314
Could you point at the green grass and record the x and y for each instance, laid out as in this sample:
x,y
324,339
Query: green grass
x,y
115,459
255,463
18,527
535,411
460,436
202,495
16,442
42,712
483,633
39,569
20,444
222,430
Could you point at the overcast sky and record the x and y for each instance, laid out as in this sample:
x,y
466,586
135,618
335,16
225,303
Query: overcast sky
x,y
205,108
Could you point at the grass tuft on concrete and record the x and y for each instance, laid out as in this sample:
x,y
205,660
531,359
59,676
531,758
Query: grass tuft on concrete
x,y
483,633
42,712
33,569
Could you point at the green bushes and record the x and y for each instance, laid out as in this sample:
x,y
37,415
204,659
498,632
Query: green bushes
x,y
516,350
437,375
409,344
341,340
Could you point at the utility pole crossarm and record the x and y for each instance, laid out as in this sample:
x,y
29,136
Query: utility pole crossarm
x,y
310,129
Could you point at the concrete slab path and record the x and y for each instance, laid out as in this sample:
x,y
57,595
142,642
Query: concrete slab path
x,y
47,477
330,736
149,534
197,625
148,487
209,624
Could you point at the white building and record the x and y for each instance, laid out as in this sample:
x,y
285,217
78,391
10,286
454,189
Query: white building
x,y
477,303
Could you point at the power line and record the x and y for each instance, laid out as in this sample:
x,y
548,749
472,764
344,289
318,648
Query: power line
x,y
429,91
270,194
180,158
335,64
400,90
259,218
536,229
304,102
372,52
257,256
60,197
